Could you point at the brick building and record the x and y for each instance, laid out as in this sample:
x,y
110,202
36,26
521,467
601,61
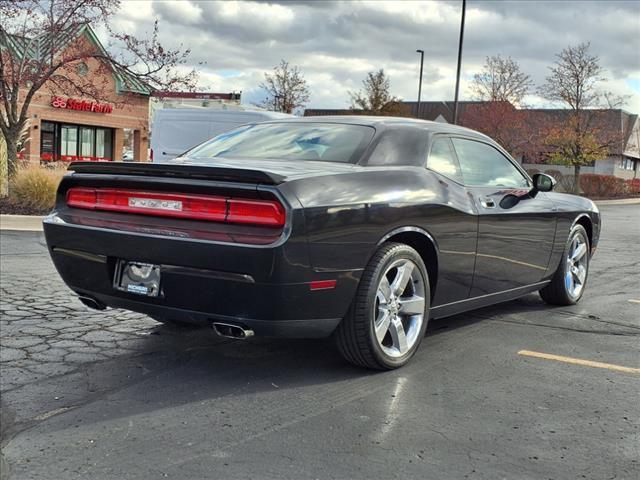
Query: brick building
x,y
63,128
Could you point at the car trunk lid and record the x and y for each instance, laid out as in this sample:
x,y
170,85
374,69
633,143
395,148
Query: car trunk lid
x,y
258,171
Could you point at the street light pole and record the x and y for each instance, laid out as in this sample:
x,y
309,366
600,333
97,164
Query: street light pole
x,y
421,52
455,102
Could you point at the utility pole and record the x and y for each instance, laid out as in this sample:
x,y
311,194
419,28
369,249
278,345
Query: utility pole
x,y
455,102
421,52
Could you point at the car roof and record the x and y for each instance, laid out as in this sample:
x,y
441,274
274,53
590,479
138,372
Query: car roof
x,y
374,121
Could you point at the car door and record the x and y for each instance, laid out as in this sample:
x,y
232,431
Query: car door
x,y
456,229
516,230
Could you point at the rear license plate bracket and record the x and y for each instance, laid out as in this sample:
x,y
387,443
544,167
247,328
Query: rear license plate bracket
x,y
139,278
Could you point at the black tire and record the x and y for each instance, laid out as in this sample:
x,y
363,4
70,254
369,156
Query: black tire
x,y
557,292
355,336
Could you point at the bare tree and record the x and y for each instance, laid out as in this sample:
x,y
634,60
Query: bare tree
x,y
574,78
501,80
286,88
574,81
39,49
375,97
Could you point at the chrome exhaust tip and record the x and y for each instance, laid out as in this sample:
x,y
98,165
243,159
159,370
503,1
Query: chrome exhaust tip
x,y
92,303
232,331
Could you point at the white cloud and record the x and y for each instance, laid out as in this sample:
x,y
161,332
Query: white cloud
x,y
138,10
274,16
183,11
337,43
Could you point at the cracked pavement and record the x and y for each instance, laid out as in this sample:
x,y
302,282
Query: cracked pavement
x,y
115,395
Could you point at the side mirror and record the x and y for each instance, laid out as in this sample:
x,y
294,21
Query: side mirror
x,y
543,182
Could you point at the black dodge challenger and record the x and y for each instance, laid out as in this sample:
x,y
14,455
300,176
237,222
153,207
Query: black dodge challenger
x,y
362,228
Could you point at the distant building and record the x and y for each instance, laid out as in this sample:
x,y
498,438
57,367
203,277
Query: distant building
x,y
623,160
218,101
69,128
434,111
196,99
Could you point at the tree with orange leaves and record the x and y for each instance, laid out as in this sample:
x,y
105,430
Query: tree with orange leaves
x,y
504,123
580,138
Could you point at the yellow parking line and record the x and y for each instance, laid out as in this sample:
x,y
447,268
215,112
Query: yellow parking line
x,y
632,300
577,361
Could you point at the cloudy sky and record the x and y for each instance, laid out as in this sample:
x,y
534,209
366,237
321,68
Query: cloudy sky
x,y
336,43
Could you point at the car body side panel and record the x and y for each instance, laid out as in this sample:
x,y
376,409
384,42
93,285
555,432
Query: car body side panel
x,y
514,242
347,215
570,208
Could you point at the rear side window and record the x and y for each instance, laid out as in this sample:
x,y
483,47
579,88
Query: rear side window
x,y
484,166
442,160
295,141
400,146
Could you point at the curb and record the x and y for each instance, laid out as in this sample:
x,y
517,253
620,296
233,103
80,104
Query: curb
x,y
621,201
23,223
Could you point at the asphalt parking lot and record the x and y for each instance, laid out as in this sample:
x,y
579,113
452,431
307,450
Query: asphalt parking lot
x,y
113,395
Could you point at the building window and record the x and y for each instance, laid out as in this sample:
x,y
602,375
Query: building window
x,y
103,143
47,140
87,144
627,164
75,142
69,140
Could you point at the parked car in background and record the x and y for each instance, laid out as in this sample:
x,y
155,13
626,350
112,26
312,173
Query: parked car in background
x,y
360,227
176,130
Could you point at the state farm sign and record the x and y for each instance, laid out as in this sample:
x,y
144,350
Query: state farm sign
x,y
81,105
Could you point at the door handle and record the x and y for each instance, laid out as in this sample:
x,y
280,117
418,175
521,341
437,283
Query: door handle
x,y
487,202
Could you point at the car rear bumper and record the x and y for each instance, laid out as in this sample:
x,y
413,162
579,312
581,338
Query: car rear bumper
x,y
302,328
263,289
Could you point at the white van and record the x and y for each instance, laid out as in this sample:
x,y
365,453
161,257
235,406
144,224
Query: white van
x,y
176,130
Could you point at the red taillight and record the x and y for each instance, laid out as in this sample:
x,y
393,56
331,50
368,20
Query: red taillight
x,y
179,205
81,197
257,212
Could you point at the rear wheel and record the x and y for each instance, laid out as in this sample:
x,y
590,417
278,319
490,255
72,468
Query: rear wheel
x,y
388,317
569,281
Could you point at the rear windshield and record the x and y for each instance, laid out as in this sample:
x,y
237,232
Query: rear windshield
x,y
289,141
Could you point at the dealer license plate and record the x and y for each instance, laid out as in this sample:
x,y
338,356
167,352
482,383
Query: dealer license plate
x,y
138,278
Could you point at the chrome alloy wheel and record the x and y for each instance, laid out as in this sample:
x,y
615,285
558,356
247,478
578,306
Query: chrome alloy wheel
x,y
576,270
399,308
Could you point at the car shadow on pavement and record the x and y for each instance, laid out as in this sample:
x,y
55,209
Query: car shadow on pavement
x,y
172,368
167,367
